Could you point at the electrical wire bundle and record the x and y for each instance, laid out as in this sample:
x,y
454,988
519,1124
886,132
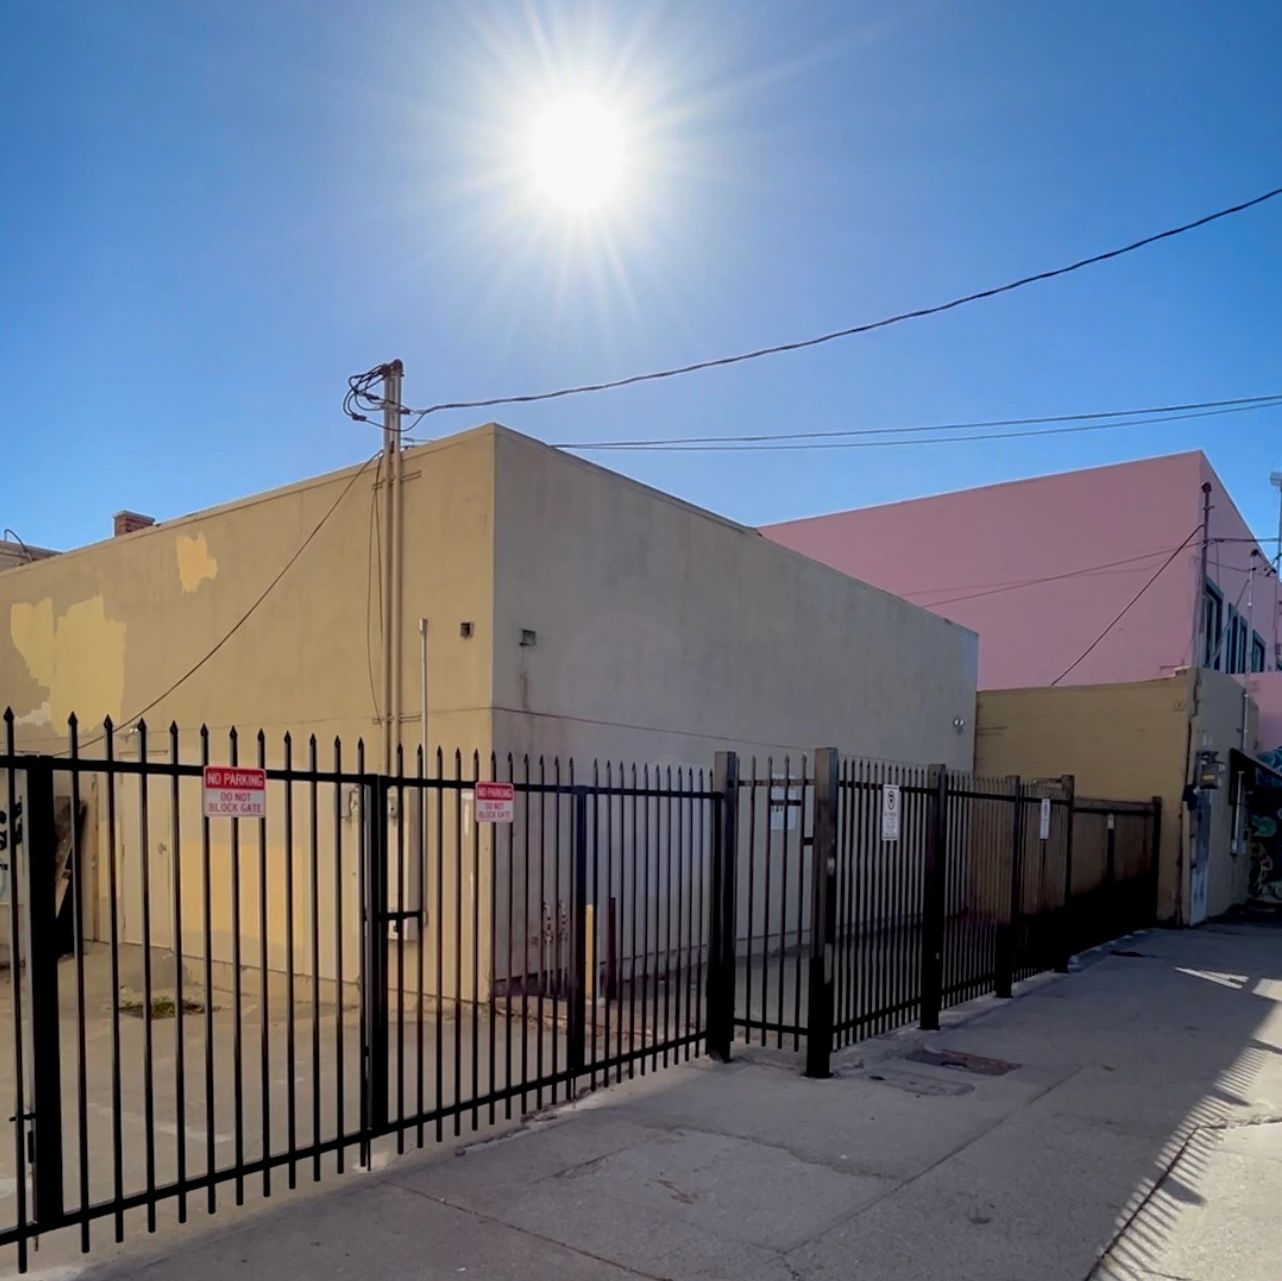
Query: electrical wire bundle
x,y
364,394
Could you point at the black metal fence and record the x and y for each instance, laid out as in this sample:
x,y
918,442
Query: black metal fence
x,y
872,894
203,1005
245,1002
775,811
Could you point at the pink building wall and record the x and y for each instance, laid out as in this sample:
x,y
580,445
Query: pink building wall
x,y
1040,567
1228,565
1266,690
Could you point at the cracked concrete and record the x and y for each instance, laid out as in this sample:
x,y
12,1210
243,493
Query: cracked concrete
x,y
1137,1139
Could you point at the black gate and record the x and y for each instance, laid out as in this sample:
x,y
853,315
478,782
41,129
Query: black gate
x,y
210,1006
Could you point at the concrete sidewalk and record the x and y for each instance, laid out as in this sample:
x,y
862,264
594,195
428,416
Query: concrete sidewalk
x,y
1137,1133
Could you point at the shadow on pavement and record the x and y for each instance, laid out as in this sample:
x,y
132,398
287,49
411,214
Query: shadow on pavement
x,y
1134,1138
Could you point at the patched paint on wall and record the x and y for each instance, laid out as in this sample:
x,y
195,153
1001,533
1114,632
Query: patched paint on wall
x,y
31,627
41,715
54,651
195,564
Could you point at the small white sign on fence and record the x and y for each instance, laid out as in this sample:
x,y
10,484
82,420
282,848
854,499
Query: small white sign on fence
x,y
1044,825
891,802
785,804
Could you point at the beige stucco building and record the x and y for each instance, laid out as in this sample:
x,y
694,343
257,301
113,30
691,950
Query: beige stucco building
x,y
570,611
660,631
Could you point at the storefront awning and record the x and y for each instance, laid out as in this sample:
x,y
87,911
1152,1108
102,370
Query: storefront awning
x,y
1240,761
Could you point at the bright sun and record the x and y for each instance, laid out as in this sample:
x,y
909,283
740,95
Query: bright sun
x,y
577,153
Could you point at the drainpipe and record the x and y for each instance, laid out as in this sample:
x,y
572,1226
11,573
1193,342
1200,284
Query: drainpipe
x,y
422,688
1190,814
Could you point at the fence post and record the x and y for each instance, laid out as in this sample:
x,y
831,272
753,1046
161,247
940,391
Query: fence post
x,y
1008,930
934,874
577,1011
1065,946
1155,862
722,903
375,977
823,916
41,847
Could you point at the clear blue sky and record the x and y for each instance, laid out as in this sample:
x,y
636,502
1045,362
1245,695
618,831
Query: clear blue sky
x,y
214,213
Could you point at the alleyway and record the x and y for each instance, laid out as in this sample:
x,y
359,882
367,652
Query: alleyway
x,y
1131,1128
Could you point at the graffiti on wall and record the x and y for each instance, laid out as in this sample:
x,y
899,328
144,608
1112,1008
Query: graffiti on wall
x,y
1264,830
10,838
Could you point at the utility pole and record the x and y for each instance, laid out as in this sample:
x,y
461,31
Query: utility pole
x,y
1275,478
392,578
1202,613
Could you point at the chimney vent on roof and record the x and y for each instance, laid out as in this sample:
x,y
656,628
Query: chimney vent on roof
x,y
127,522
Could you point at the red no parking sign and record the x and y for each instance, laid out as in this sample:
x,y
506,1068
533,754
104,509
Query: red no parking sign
x,y
230,791
494,802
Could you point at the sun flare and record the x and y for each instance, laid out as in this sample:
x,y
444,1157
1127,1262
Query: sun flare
x,y
577,153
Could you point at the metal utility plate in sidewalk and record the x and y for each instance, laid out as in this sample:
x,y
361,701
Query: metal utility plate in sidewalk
x,y
955,1059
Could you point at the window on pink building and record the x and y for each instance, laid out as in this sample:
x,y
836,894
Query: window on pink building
x,y
1212,626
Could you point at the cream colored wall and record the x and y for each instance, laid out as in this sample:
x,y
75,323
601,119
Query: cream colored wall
x,y
325,885
1130,741
1121,742
102,631
665,633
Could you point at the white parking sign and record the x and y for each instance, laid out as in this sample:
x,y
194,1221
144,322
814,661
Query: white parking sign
x,y
890,806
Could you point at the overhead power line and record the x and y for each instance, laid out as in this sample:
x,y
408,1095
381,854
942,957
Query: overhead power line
x,y
1271,397
360,395
1197,529
996,589
782,441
